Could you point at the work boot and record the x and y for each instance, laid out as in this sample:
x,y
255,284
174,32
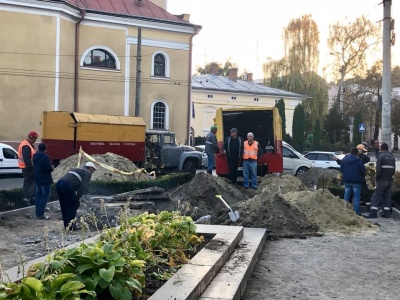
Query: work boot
x,y
373,214
386,214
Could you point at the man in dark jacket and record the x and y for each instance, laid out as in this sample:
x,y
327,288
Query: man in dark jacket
x,y
353,171
211,148
233,148
70,189
43,180
385,169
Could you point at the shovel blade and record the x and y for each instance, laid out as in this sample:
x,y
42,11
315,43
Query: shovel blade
x,y
234,216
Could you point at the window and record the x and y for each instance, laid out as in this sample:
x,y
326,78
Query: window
x,y
159,65
255,99
209,96
9,154
233,97
324,157
159,115
312,156
99,58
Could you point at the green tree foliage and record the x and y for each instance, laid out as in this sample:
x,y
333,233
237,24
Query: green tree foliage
x,y
296,71
334,124
317,135
298,128
281,107
358,119
223,69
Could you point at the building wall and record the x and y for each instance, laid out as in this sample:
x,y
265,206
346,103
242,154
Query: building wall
x,y
30,83
205,107
27,71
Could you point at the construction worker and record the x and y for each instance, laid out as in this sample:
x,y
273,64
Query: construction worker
x,y
26,150
70,189
250,156
211,148
233,148
385,169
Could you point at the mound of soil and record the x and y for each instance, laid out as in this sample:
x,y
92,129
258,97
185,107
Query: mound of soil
x,y
271,211
119,162
197,197
281,184
320,178
332,214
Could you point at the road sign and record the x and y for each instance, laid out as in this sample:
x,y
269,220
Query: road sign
x,y
361,127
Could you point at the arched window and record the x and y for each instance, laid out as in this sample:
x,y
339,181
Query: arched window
x,y
100,59
159,115
160,65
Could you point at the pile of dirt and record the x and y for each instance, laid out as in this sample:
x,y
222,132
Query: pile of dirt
x,y
332,214
119,162
281,184
197,197
319,178
272,211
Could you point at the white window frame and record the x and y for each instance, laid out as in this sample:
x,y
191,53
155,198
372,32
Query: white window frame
x,y
167,66
105,48
166,113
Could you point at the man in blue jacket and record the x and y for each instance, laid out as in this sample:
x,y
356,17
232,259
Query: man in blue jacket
x,y
43,180
353,171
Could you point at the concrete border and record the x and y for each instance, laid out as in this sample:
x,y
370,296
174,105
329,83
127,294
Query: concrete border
x,y
26,210
395,213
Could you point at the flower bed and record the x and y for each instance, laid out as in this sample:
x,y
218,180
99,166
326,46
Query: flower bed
x,y
128,262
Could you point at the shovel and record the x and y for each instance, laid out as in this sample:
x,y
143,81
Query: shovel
x,y
233,215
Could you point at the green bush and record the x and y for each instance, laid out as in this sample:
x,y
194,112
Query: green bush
x,y
12,199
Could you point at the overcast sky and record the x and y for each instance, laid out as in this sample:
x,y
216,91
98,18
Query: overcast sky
x,y
250,31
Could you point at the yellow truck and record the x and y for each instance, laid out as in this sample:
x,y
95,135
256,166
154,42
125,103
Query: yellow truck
x,y
65,132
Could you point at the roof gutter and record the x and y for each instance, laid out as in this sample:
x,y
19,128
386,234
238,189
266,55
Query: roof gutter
x,y
196,31
77,59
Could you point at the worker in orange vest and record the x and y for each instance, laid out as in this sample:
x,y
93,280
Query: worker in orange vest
x,y
250,156
25,154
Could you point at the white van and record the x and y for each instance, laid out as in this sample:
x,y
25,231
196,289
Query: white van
x,y
293,162
8,160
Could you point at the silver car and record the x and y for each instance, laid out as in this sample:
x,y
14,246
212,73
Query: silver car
x,y
325,159
204,160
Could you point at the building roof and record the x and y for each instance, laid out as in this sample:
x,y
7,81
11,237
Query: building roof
x,y
126,8
218,83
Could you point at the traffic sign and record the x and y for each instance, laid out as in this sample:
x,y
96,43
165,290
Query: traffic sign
x,y
361,127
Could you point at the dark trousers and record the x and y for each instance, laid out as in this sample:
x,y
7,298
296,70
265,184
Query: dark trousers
x,y
42,194
233,164
29,183
68,202
382,195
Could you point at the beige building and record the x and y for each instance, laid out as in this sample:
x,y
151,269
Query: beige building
x,y
94,57
211,91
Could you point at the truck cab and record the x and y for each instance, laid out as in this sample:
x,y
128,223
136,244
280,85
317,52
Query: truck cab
x,y
163,151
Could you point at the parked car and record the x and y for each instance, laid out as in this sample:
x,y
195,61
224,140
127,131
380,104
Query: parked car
x,y
293,162
8,160
324,159
204,160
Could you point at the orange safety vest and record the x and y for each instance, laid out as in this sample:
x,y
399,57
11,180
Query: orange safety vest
x,y
250,151
21,162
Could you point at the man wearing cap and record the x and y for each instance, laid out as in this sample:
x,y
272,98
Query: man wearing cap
x,y
233,148
211,148
385,169
26,150
70,189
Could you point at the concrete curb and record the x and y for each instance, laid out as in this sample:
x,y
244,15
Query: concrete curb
x,y
395,213
25,210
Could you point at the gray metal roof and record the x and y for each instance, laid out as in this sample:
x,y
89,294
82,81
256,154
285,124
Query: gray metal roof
x,y
218,83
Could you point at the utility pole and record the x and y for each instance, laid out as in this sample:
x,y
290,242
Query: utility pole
x,y
386,75
138,71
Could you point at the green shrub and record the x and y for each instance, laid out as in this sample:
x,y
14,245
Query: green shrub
x,y
12,199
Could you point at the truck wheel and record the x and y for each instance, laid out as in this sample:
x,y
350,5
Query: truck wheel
x,y
190,168
301,170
